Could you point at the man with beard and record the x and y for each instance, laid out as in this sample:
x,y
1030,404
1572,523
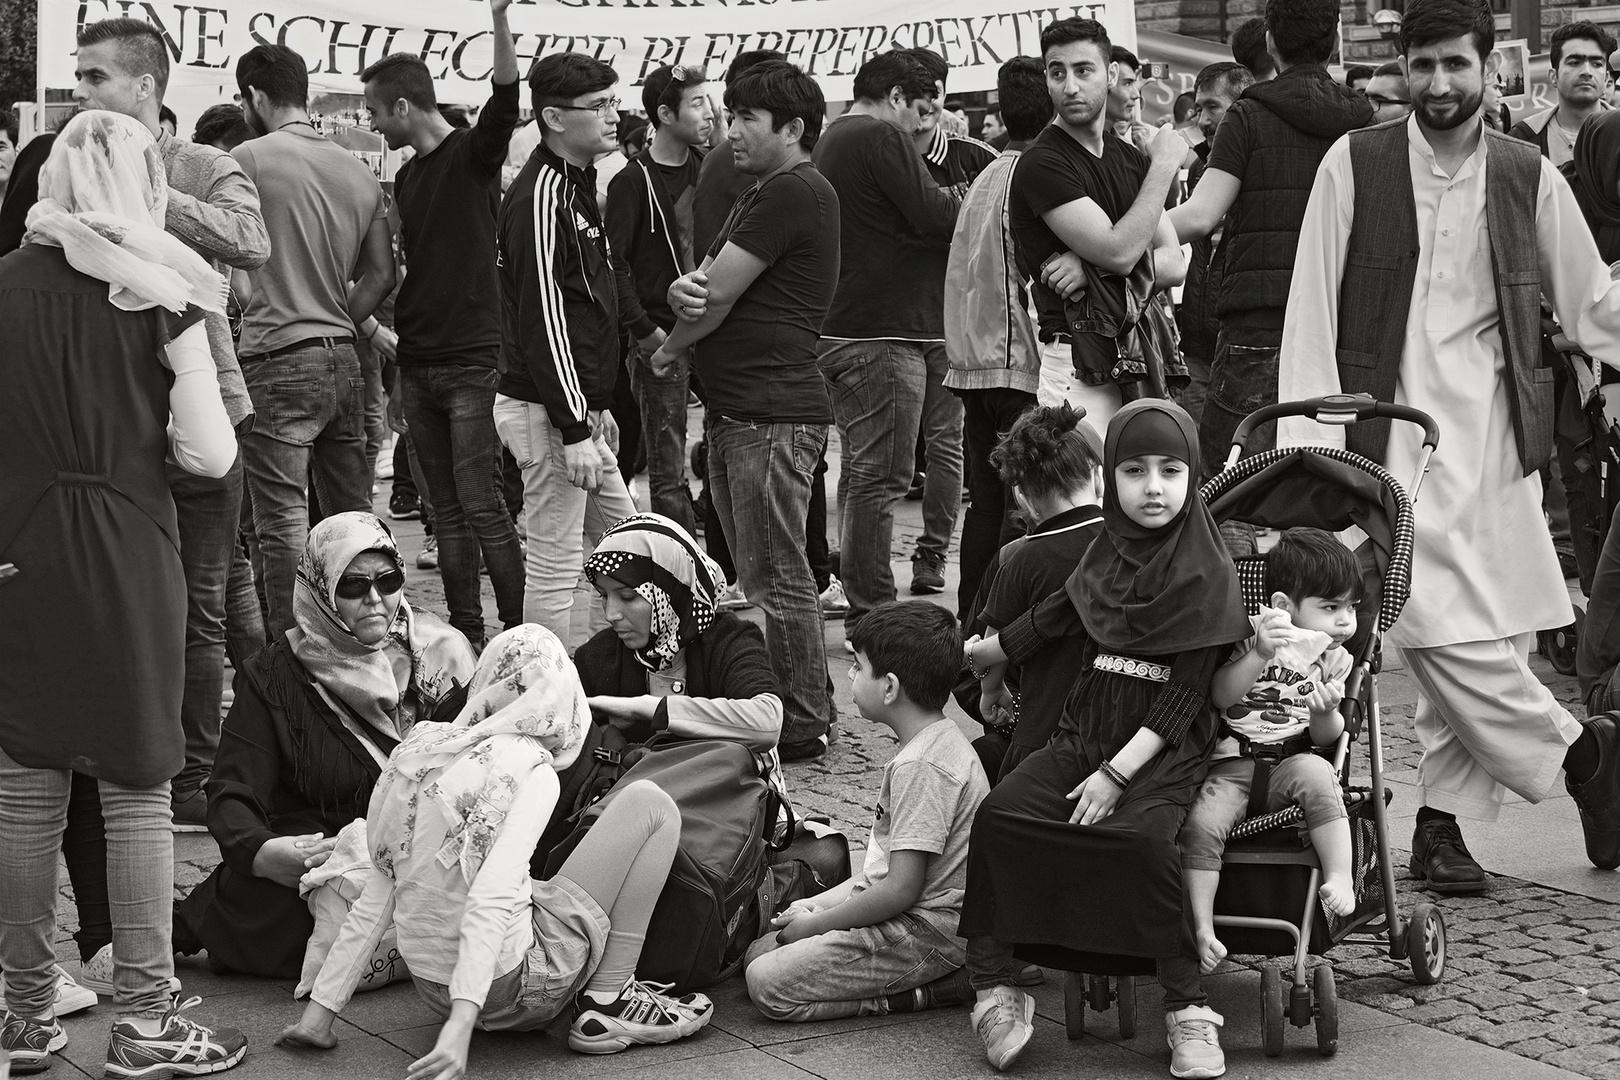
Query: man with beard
x,y
331,263
1579,53
1466,229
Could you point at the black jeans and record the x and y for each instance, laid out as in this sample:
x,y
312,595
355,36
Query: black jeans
x,y
988,524
1242,378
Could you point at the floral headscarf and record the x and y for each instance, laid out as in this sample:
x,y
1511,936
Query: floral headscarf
x,y
656,557
525,710
103,198
361,677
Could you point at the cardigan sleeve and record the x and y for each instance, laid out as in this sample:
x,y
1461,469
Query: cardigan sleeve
x,y
737,698
1030,633
1182,707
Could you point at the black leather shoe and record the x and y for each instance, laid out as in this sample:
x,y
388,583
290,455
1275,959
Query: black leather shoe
x,y
1441,860
1599,798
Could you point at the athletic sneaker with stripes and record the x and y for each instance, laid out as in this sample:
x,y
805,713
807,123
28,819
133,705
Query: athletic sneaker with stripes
x,y
183,1048
30,1043
644,1014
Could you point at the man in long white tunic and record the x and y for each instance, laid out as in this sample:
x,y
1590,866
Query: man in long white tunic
x,y
1484,575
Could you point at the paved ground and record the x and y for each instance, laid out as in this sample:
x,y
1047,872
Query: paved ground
x,y
1532,987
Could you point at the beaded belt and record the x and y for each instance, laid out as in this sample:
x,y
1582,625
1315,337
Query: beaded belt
x,y
1137,669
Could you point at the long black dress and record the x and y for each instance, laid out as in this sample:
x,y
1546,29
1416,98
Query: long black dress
x,y
287,765
1078,896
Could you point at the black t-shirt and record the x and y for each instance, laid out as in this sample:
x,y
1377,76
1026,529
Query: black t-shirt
x,y
449,305
1057,170
681,183
761,363
719,184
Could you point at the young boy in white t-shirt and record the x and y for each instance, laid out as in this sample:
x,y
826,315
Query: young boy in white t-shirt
x,y
1279,698
864,947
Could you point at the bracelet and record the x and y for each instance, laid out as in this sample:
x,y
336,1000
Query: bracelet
x,y
973,669
1114,776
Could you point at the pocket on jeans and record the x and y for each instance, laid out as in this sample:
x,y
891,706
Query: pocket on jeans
x,y
512,428
352,411
1244,378
290,412
809,443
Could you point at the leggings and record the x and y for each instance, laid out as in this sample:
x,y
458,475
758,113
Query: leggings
x,y
623,863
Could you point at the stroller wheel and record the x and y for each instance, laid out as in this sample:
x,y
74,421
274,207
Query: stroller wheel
x,y
1127,1006
1074,1004
1097,995
1426,944
1271,1010
1559,645
1327,1012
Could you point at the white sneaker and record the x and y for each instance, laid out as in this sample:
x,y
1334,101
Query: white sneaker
x,y
732,599
834,604
70,996
96,974
1005,1022
645,1014
1195,1043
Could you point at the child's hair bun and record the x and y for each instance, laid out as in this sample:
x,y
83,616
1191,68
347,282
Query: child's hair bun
x,y
1046,451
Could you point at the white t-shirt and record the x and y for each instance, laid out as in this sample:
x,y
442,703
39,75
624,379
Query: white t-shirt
x,y
1274,709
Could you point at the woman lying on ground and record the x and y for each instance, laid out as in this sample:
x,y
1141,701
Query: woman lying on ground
x,y
451,827
315,717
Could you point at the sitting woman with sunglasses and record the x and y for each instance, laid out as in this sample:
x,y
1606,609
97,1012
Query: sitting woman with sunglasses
x,y
316,715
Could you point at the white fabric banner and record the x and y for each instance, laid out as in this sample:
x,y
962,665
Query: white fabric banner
x,y
339,38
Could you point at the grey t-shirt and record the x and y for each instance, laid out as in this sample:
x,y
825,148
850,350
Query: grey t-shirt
x,y
929,794
318,202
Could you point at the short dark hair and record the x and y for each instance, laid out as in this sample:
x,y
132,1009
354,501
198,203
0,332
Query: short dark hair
x,y
457,116
401,75
1234,78
1047,452
1182,109
750,59
8,124
1429,21
1119,54
938,68
1304,31
1026,106
140,47
1310,562
277,72
660,87
561,77
1391,68
1579,31
885,71
1068,31
166,113
222,124
1249,48
786,92
1357,71
916,642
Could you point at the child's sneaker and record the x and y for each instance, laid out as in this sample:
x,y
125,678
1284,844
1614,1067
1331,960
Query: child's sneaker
x,y
96,974
1195,1043
645,1014
31,1043
183,1048
70,996
1005,1021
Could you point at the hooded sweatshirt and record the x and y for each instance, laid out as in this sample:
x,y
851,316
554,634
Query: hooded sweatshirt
x,y
1272,140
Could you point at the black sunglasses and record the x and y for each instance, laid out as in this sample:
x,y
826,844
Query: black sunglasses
x,y
357,586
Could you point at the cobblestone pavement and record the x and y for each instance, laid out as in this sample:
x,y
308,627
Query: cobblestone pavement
x,y
1532,969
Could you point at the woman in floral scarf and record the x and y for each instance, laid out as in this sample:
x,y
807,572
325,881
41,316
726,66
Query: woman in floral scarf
x,y
452,824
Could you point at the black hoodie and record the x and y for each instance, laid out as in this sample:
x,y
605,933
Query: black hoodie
x,y
1272,140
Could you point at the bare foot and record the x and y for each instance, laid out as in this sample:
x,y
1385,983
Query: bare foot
x,y
1338,896
1210,951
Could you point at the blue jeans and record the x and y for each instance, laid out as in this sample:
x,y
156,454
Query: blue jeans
x,y
450,410
878,389
1242,378
759,479
244,611
371,370
208,513
140,881
663,435
942,436
311,407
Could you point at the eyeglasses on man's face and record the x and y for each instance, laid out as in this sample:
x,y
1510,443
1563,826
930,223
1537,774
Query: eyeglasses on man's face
x,y
606,108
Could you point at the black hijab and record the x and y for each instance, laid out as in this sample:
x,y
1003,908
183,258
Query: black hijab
x,y
1165,590
1593,173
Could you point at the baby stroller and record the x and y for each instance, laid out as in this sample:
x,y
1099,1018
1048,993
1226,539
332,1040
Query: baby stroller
x,y
1267,904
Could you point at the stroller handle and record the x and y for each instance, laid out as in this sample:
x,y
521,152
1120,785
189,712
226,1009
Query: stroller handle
x,y
1340,409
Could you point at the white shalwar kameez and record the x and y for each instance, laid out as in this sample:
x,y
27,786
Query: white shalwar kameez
x,y
1485,576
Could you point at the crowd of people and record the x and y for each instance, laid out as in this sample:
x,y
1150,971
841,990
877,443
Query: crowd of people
x,y
210,340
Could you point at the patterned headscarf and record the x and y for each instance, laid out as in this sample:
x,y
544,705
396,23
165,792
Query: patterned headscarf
x,y
362,676
103,199
526,710
660,560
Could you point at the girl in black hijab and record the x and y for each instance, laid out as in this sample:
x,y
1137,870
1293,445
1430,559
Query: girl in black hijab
x,y
1073,856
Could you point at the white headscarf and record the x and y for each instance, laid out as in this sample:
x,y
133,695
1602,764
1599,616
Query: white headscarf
x,y
103,198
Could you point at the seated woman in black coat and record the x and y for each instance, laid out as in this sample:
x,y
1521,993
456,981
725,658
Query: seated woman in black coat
x,y
316,715
669,661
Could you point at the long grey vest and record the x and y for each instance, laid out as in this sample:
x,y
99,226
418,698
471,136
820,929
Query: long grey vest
x,y
1381,269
